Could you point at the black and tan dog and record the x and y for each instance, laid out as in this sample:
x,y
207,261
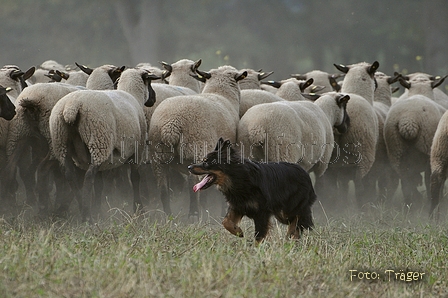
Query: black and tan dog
x,y
258,191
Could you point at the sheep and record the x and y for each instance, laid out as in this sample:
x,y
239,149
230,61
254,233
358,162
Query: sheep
x,y
321,78
381,172
439,96
11,76
291,89
294,131
179,74
154,70
76,78
96,130
30,128
439,165
409,131
40,75
251,93
358,144
187,126
103,77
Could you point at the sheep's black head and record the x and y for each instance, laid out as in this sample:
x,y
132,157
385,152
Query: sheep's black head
x,y
342,100
7,108
147,78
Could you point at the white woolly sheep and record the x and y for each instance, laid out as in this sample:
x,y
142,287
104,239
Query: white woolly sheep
x,y
11,76
180,74
439,165
357,147
409,131
298,131
320,78
75,78
188,127
40,75
381,172
291,89
98,130
30,129
103,77
251,94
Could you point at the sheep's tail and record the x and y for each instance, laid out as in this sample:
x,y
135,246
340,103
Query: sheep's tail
x,y
71,110
257,135
408,128
171,134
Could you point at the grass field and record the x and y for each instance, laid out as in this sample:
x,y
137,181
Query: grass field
x,y
155,256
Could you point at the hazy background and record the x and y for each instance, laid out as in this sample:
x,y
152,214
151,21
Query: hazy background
x,y
284,36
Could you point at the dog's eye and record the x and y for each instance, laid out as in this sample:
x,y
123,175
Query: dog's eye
x,y
204,159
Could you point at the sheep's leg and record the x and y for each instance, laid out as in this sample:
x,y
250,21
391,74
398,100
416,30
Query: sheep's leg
x,y
97,193
43,184
231,221
194,197
437,182
161,172
135,179
88,192
64,194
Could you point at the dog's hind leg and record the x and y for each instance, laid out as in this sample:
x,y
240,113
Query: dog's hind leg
x,y
294,230
231,221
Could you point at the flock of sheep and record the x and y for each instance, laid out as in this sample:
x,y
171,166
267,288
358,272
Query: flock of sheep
x,y
70,130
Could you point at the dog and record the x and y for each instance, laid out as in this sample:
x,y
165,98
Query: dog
x,y
258,191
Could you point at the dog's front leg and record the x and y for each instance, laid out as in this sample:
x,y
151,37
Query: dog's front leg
x,y
231,221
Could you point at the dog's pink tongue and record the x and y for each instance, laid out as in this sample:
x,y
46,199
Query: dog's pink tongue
x,y
201,184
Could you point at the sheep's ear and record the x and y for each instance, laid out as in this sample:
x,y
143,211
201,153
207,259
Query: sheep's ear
x,y
241,76
16,74
334,84
167,66
404,83
264,75
311,96
305,85
84,68
274,84
8,89
219,144
62,74
373,68
393,79
342,100
315,88
196,65
29,73
298,76
438,81
341,68
395,89
150,76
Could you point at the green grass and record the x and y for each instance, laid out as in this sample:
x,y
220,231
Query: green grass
x,y
125,256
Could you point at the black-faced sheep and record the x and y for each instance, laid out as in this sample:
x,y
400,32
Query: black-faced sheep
x,y
185,128
294,131
409,131
321,78
357,147
30,129
98,130
103,77
251,93
180,74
